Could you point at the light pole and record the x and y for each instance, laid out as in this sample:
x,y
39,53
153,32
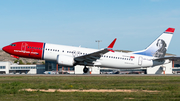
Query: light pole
x,y
98,42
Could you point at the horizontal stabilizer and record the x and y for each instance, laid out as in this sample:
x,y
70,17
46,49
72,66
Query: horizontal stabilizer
x,y
169,58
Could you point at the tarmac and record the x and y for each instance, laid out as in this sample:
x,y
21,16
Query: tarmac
x,y
90,75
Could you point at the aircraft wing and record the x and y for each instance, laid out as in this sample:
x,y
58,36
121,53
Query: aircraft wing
x,y
170,58
89,58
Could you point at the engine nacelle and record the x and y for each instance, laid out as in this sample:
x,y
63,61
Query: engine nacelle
x,y
65,60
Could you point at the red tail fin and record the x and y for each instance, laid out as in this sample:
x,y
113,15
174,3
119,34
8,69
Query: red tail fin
x,y
171,30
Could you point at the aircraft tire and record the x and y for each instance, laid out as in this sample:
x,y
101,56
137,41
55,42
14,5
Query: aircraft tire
x,y
85,70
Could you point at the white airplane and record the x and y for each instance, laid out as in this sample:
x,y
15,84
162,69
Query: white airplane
x,y
153,55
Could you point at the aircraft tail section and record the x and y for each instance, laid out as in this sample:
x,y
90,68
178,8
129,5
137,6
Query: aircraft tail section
x,y
159,47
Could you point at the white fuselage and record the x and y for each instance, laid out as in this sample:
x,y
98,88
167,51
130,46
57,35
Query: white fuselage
x,y
110,59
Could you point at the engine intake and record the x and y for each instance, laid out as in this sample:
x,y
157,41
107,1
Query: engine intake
x,y
65,60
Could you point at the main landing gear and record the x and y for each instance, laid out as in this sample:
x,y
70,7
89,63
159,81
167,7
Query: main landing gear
x,y
85,70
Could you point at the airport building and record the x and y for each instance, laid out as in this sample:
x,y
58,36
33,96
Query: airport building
x,y
52,67
11,68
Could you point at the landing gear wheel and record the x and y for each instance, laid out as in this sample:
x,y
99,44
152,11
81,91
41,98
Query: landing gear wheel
x,y
85,70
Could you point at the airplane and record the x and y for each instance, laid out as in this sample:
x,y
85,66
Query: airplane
x,y
64,55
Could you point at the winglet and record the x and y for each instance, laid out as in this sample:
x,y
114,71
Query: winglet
x,y
14,56
170,30
112,44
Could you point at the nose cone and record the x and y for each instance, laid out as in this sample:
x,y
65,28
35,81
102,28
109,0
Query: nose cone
x,y
5,48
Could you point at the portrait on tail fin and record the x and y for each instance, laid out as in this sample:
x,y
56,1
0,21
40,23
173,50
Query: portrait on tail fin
x,y
162,48
158,47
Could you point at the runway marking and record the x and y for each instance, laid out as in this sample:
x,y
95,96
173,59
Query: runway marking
x,y
128,98
89,90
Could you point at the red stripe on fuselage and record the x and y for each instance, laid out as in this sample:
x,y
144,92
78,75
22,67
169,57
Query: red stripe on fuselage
x,y
25,49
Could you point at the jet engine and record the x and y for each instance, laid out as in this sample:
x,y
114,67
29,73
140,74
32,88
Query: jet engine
x,y
65,60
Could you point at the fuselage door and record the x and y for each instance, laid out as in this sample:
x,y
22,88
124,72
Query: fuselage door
x,y
23,46
140,61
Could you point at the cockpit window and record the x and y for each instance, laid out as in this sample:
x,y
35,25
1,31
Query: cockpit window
x,y
12,44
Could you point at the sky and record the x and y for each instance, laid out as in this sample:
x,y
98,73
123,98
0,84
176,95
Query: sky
x,y
135,23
